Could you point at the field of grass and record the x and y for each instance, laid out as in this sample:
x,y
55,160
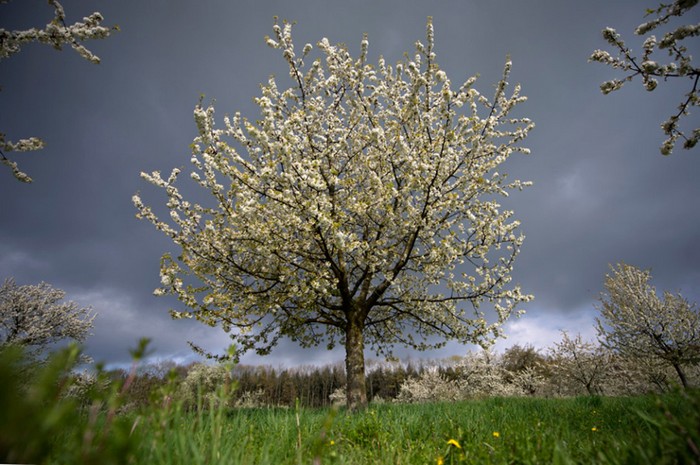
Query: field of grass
x,y
40,422
491,431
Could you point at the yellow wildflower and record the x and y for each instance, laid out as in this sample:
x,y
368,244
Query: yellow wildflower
x,y
440,461
496,434
454,443
594,429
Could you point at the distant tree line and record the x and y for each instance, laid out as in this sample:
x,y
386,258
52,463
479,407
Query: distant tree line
x,y
312,386
572,367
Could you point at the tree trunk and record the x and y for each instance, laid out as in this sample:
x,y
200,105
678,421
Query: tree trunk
x,y
681,374
355,391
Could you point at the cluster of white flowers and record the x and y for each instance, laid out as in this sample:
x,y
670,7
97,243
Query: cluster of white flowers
x,y
205,386
680,66
638,324
476,375
362,198
81,384
571,367
251,399
430,386
57,34
34,317
338,397
22,145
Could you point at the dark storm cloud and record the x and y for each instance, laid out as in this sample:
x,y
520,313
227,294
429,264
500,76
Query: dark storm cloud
x,y
602,192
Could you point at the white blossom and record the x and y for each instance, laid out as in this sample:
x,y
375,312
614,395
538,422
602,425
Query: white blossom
x,y
430,386
34,317
57,34
204,386
473,376
581,363
339,214
638,324
680,66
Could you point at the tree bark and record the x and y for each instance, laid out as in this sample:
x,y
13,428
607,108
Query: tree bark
x,y
681,374
356,391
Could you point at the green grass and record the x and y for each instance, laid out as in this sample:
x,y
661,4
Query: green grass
x,y
492,431
41,424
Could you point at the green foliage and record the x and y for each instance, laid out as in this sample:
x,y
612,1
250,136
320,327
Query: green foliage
x,y
367,431
44,419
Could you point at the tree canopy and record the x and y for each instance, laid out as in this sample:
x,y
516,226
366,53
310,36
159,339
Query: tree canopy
x,y
33,316
361,208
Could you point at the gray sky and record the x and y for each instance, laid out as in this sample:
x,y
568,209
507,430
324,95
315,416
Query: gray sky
x,y
602,192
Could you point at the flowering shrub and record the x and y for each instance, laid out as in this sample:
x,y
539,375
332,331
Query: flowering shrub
x,y
251,399
205,386
431,386
528,381
34,317
338,397
482,375
475,375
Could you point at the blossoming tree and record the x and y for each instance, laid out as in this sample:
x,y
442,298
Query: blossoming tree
x,y
57,34
361,209
635,322
679,66
580,363
33,316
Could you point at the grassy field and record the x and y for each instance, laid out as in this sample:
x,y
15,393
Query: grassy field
x,y
42,422
492,431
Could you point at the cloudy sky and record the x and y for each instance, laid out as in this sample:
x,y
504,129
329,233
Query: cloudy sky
x,y
602,192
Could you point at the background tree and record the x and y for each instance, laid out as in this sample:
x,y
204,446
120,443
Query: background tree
x,y
431,385
202,387
482,374
34,317
519,358
525,367
57,34
635,322
361,208
582,363
680,65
